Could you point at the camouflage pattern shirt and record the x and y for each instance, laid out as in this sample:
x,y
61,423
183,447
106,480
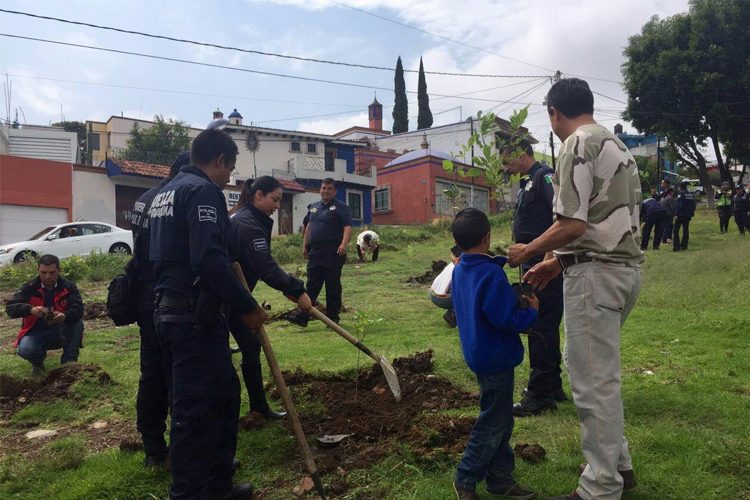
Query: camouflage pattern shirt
x,y
597,182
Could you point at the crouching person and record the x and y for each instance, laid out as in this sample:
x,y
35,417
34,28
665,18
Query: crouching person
x,y
52,312
490,319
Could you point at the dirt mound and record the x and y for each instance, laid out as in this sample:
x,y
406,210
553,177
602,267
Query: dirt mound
x,y
93,310
379,426
18,392
428,277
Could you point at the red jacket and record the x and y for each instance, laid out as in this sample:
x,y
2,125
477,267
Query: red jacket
x,y
66,299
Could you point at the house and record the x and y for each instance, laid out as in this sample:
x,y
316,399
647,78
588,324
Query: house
x,y
301,160
412,186
647,145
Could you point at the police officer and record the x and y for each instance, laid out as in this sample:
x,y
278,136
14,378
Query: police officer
x,y
188,224
684,208
324,245
740,208
653,215
532,218
151,402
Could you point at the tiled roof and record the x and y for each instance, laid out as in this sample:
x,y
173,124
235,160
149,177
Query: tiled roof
x,y
153,170
292,185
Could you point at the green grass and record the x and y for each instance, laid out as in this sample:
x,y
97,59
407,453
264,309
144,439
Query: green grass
x,y
686,420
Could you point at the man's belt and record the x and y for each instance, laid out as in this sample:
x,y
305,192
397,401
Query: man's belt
x,y
567,260
184,304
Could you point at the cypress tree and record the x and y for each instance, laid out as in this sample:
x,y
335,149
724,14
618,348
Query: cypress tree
x,y
401,106
424,119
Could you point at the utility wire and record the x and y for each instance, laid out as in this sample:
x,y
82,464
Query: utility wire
x,y
252,51
409,26
231,68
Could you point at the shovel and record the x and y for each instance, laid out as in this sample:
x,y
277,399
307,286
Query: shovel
x,y
278,378
388,371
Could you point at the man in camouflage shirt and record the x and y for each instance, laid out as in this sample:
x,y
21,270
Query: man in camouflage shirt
x,y
597,247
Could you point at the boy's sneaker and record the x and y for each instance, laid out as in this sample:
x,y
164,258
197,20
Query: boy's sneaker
x,y
516,491
464,494
450,317
628,477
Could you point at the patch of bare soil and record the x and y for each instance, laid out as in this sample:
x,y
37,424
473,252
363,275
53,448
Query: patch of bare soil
x,y
16,393
377,425
429,276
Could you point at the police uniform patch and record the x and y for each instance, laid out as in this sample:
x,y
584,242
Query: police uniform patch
x,y
206,213
313,210
260,244
548,178
333,207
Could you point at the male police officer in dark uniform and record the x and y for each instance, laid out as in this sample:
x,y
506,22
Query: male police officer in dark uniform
x,y
151,403
324,245
188,223
532,218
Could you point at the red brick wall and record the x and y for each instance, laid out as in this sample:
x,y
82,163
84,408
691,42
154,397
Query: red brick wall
x,y
411,196
36,183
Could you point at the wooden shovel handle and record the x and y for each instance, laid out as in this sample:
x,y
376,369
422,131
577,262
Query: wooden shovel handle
x,y
348,336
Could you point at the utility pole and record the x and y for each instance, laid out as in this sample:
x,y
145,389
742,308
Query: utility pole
x,y
552,147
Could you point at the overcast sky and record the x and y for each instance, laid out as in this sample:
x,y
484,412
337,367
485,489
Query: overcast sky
x,y
529,38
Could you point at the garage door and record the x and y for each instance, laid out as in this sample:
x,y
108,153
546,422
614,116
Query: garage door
x,y
18,222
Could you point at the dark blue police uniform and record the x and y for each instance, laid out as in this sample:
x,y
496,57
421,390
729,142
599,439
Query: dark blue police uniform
x,y
533,217
653,215
188,224
684,208
326,230
151,401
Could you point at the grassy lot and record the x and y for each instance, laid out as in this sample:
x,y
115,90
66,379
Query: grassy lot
x,y
686,386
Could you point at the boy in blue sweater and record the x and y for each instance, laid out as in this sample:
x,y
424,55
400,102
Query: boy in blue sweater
x,y
490,319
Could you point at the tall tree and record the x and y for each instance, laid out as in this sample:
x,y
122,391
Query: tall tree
x,y
424,119
160,143
401,105
688,77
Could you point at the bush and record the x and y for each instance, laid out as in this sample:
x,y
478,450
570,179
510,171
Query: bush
x,y
287,249
94,267
105,266
14,275
74,268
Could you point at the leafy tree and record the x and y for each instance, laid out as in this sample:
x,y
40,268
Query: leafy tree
x,y
688,78
424,119
160,143
401,106
80,129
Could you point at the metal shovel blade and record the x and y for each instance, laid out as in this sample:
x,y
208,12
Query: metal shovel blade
x,y
391,378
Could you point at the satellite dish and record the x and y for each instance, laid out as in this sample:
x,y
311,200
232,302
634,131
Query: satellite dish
x,y
217,123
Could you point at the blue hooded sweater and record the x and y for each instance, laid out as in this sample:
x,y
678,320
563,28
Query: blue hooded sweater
x,y
489,321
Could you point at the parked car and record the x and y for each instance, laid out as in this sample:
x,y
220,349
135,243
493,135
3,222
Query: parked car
x,y
695,187
74,238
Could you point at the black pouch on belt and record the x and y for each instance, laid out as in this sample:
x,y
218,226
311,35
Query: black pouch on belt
x,y
207,307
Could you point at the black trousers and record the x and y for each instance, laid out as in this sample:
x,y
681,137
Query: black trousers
x,y
668,228
205,397
544,343
328,272
151,403
684,224
252,372
742,221
725,213
656,222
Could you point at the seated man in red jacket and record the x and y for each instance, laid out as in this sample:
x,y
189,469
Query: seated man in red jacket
x,y
51,308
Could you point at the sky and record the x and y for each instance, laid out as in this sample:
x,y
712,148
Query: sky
x,y
525,41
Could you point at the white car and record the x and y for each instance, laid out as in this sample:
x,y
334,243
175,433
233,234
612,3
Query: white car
x,y
74,238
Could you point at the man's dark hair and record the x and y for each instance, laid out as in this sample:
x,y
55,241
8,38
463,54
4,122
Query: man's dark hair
x,y
210,144
525,146
456,251
669,190
666,180
181,160
48,260
684,185
367,238
329,180
572,97
469,227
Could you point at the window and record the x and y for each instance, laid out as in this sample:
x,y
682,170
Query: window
x,y
104,229
383,199
354,200
312,148
330,165
296,147
87,229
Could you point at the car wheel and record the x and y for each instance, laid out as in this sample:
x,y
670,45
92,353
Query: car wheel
x,y
24,256
120,248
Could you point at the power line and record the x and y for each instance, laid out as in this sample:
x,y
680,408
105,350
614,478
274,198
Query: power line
x,y
389,20
252,51
231,68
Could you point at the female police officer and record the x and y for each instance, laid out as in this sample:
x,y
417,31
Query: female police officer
x,y
250,245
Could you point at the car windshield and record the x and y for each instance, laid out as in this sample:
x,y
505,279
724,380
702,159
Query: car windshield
x,y
41,233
